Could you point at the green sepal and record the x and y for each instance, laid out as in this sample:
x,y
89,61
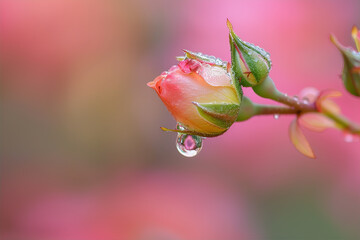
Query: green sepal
x,y
220,114
247,110
350,77
212,60
192,132
236,73
267,89
256,61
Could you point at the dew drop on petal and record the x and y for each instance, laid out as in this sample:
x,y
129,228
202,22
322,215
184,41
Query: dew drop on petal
x,y
179,126
276,116
188,145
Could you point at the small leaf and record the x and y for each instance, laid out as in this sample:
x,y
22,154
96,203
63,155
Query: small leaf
x,y
324,104
299,140
191,132
221,110
316,122
220,114
212,60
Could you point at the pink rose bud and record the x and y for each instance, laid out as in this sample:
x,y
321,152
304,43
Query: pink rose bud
x,y
199,94
351,70
250,64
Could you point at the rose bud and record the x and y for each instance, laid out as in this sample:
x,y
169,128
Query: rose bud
x,y
250,64
351,73
199,94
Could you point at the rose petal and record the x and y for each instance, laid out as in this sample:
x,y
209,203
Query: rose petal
x,y
299,140
316,122
214,75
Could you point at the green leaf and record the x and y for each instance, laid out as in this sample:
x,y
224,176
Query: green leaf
x,y
220,114
192,132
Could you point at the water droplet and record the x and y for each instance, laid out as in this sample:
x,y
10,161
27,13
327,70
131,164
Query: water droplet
x,y
179,126
296,98
276,116
217,62
305,100
188,145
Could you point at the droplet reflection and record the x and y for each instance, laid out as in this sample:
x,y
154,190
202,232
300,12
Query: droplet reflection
x,y
188,145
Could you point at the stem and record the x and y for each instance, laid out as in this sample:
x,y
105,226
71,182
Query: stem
x,y
268,90
344,122
285,99
341,120
261,109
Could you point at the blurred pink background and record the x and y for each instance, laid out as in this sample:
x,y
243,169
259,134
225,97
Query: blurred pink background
x,y
82,155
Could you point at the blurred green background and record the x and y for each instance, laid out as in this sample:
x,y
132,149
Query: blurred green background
x,y
82,155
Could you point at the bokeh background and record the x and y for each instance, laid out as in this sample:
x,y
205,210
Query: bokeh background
x,y
82,155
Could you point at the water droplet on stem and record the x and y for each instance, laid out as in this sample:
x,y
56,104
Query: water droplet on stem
x,y
305,100
296,98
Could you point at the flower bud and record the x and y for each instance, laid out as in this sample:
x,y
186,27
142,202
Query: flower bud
x,y
351,73
250,64
199,94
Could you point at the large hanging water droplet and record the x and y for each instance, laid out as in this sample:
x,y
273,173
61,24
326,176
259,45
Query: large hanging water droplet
x,y
188,145
276,116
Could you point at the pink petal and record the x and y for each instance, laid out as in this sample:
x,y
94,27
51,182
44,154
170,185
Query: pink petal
x,y
310,93
316,122
214,75
299,140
